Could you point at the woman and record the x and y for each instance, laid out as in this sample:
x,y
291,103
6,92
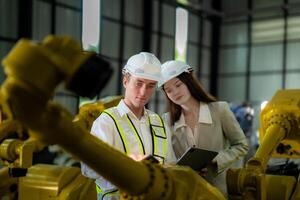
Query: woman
x,y
197,119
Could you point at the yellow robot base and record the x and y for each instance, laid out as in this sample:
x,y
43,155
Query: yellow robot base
x,y
55,182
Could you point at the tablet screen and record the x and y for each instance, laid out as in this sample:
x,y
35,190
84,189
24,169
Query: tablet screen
x,y
196,158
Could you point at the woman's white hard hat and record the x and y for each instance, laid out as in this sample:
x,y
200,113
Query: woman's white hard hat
x,y
144,65
171,69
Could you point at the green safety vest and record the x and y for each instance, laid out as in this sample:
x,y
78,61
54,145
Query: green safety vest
x,y
131,139
128,134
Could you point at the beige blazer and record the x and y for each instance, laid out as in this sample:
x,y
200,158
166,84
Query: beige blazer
x,y
217,130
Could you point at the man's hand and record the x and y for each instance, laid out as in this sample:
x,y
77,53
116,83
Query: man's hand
x,y
137,157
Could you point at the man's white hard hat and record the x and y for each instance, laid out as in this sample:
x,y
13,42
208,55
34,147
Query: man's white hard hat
x,y
144,65
171,69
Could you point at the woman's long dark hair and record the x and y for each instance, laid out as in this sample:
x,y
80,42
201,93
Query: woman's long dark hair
x,y
197,91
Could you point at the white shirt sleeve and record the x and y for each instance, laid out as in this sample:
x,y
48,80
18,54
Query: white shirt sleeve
x,y
102,128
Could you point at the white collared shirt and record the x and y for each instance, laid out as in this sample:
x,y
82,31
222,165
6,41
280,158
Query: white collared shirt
x,y
105,129
141,126
193,139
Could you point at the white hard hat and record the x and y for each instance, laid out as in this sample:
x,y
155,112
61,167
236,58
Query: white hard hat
x,y
171,69
144,65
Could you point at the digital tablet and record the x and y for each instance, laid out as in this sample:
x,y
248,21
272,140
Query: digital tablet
x,y
196,158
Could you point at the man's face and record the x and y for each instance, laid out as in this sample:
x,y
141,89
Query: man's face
x,y
138,90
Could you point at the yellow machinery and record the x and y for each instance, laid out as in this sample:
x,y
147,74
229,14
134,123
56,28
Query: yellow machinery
x,y
52,181
33,72
9,149
280,137
90,111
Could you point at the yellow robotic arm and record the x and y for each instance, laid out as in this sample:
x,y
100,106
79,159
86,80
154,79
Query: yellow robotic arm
x,y
15,151
280,126
90,111
34,70
283,109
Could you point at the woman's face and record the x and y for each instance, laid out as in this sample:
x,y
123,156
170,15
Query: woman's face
x,y
177,91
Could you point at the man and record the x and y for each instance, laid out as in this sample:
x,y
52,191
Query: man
x,y
129,127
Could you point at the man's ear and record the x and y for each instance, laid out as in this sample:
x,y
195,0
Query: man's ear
x,y
125,81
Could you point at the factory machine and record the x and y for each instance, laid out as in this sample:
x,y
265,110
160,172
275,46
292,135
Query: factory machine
x,y
20,178
33,72
279,138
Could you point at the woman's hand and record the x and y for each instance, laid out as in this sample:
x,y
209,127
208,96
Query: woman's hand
x,y
214,164
203,172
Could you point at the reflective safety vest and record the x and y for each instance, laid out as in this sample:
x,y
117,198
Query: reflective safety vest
x,y
128,132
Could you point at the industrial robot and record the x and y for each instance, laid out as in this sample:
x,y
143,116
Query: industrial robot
x,y
33,72
19,174
57,182
279,138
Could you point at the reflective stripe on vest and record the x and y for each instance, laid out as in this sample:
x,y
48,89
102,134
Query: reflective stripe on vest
x,y
107,193
125,130
120,131
98,189
159,137
142,148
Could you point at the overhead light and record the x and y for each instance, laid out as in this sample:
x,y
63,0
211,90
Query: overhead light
x,y
181,34
91,25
